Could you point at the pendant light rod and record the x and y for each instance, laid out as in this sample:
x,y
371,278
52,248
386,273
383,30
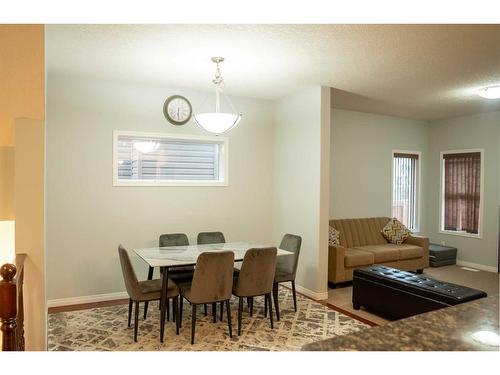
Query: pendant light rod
x,y
217,81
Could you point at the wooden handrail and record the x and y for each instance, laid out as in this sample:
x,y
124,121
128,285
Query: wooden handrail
x,y
11,304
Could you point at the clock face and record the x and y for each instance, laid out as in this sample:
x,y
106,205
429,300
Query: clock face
x,y
177,110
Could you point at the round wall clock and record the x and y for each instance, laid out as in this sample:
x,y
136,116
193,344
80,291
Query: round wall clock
x,y
177,110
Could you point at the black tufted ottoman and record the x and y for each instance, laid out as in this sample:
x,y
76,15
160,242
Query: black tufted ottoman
x,y
397,294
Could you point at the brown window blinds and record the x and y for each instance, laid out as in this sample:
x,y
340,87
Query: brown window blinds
x,y
462,191
405,188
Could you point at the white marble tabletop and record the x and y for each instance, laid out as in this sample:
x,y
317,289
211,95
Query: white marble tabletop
x,y
187,255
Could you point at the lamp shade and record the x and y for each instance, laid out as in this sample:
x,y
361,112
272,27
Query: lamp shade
x,y
7,242
217,122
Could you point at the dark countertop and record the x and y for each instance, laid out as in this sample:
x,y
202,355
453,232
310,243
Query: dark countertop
x,y
441,330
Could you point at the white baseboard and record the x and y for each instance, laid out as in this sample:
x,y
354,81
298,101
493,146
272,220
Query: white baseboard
x,y
481,267
86,299
309,293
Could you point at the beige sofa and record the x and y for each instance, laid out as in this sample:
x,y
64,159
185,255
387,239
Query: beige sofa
x,y
362,244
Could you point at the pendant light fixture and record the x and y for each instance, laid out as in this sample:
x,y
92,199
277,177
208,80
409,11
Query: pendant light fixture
x,y
218,122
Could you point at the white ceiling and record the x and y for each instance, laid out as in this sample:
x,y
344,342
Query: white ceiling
x,y
424,72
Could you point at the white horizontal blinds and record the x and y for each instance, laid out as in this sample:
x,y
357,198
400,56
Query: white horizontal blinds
x,y
404,204
173,160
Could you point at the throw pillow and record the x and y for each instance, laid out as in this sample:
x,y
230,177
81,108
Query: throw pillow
x,y
333,237
395,232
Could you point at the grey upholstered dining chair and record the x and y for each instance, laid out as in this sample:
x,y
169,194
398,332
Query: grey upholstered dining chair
x,y
143,291
286,268
256,278
205,238
212,282
176,274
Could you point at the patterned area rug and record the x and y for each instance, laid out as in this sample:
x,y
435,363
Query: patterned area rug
x,y
105,329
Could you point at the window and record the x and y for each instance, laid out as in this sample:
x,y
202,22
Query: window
x,y
461,192
405,188
156,159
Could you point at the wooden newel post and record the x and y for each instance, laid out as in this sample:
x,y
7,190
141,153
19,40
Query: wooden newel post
x,y
8,306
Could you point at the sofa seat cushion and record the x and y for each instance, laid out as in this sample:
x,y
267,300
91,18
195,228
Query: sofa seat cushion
x,y
356,257
382,253
407,251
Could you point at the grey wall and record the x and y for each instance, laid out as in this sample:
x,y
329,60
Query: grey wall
x,y
87,217
302,148
361,162
477,131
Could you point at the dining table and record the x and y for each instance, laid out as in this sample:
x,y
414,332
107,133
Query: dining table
x,y
187,255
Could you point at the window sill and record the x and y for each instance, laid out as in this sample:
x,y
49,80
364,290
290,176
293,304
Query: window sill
x,y
461,234
170,183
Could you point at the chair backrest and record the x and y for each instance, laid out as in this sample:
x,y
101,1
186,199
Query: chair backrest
x,y
173,239
213,277
129,276
288,263
360,232
256,275
205,238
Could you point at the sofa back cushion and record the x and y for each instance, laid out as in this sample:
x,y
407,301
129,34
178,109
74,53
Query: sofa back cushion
x,y
360,232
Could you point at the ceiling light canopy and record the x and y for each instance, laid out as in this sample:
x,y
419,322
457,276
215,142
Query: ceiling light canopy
x,y
491,92
219,121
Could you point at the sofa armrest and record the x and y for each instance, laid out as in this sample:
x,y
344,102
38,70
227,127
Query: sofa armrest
x,y
336,263
423,242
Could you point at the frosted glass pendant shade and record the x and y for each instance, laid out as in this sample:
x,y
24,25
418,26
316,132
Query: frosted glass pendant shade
x,y
217,122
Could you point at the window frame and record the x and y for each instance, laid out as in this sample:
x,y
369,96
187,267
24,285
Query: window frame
x,y
223,159
418,188
441,229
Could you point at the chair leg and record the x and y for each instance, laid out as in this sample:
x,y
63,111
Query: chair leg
x,y
240,308
193,322
205,309
136,320
265,307
168,309
251,306
146,304
130,302
181,308
221,311
268,296
294,296
174,310
228,311
176,314
276,302
214,312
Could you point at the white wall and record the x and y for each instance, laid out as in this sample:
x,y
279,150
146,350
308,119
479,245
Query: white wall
x,y
361,162
301,179
87,217
477,131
